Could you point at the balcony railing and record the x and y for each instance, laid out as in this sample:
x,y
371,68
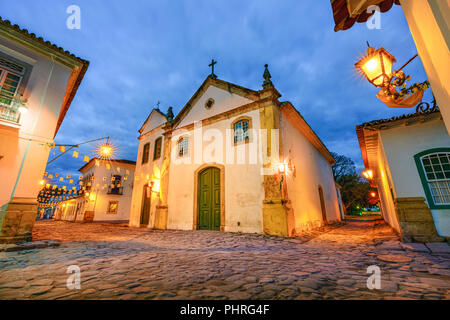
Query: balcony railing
x,y
9,113
9,108
115,190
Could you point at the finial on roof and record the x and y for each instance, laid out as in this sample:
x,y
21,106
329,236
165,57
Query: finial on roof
x,y
169,114
212,75
267,82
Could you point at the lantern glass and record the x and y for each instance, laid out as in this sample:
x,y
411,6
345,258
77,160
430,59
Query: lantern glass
x,y
376,66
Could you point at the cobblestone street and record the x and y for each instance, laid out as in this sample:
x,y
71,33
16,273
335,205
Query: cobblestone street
x,y
118,262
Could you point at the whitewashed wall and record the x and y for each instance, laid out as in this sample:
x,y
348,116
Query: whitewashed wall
x,y
98,200
400,145
244,191
311,170
13,139
147,172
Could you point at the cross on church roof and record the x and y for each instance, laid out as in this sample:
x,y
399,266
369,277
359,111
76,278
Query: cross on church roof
x,y
212,75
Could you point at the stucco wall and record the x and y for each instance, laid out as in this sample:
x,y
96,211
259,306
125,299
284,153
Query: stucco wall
x,y
223,101
98,199
384,184
309,170
429,21
243,182
145,173
400,145
13,139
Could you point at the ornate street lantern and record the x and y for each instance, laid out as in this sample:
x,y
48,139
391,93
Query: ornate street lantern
x,y
377,66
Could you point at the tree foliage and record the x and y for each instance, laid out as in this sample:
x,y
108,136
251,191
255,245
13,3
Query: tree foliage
x,y
354,189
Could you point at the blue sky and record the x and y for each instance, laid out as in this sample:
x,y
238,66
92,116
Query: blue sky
x,y
142,52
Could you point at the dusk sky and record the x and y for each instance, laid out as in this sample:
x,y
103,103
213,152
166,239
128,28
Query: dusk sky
x,y
142,52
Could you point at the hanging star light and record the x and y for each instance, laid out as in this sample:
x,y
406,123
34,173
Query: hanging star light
x,y
106,150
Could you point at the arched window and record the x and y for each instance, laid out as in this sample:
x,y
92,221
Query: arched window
x,y
241,130
434,171
157,151
183,146
145,153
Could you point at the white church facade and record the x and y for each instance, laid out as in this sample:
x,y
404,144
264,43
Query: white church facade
x,y
235,160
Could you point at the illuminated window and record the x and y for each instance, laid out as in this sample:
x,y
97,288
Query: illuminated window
x,y
145,153
241,133
183,146
157,151
112,207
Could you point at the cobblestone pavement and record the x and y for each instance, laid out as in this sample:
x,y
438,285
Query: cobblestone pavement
x,y
118,262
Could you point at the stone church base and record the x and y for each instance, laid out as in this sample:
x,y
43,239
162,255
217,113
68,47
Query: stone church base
x,y
17,220
275,218
161,217
415,220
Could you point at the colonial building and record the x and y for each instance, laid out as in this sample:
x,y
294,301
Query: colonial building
x,y
38,82
233,159
409,156
107,186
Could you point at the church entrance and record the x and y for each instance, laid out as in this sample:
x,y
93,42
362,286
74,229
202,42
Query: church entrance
x,y
322,205
146,202
208,194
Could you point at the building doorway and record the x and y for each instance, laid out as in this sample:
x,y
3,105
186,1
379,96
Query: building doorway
x,y
146,204
322,206
208,199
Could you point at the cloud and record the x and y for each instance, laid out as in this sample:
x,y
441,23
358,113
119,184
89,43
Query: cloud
x,y
142,52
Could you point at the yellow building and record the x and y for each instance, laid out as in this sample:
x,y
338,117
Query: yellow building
x,y
38,82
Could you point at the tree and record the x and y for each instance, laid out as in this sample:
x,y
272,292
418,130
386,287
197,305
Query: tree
x,y
354,189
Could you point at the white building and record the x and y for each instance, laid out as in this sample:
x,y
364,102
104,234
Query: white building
x,y
233,159
41,79
107,186
410,159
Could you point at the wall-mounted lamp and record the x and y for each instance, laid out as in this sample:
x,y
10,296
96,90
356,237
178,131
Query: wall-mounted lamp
x,y
368,174
377,67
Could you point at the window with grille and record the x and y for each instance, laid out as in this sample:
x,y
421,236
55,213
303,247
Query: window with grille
x,y
145,153
183,146
437,173
241,131
9,84
157,151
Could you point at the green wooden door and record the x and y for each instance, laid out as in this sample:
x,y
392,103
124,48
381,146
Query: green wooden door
x,y
208,199
145,209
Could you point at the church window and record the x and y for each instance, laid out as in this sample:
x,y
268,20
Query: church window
x,y
434,171
157,151
241,130
183,146
209,103
145,153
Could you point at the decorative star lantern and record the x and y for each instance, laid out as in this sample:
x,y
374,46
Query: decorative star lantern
x,y
106,151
